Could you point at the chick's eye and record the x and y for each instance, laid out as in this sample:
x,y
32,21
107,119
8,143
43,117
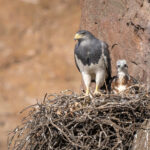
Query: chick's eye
x,y
125,65
118,66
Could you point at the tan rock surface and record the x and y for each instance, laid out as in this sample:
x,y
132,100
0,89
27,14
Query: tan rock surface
x,y
142,138
125,26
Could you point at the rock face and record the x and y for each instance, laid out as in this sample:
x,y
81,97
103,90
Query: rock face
x,y
125,26
142,138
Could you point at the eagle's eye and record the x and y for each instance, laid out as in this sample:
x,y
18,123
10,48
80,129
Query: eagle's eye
x,y
83,33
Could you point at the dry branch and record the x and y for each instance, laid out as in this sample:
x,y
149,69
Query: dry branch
x,y
67,122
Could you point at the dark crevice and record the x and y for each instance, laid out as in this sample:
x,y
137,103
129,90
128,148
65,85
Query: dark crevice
x,y
113,45
134,62
137,27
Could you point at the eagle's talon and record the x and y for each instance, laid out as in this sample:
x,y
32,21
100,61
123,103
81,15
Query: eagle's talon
x,y
98,93
87,93
85,96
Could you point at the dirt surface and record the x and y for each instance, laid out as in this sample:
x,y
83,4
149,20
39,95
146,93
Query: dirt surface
x,y
36,51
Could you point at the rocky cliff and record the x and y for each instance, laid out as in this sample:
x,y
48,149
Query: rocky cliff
x,y
125,26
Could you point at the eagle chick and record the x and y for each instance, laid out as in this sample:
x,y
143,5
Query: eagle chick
x,y
123,80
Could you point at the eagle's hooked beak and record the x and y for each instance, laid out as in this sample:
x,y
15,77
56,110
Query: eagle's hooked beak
x,y
77,36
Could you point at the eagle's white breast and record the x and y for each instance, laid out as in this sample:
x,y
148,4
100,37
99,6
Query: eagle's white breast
x,y
92,68
121,88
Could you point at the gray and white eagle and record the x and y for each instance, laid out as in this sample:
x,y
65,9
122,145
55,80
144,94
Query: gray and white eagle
x,y
92,59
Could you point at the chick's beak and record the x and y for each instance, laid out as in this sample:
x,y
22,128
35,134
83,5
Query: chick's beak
x,y
77,36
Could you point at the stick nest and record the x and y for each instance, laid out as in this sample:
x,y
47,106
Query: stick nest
x,y
68,122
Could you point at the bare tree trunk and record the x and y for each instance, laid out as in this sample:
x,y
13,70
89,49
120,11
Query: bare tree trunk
x,y
125,26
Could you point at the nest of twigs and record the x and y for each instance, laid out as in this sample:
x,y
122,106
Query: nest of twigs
x,y
68,122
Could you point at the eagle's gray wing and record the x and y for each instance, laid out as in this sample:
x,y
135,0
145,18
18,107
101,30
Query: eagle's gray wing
x,y
107,59
76,47
89,53
76,63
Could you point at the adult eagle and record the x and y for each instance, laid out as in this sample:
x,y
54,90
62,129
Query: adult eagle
x,y
92,59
